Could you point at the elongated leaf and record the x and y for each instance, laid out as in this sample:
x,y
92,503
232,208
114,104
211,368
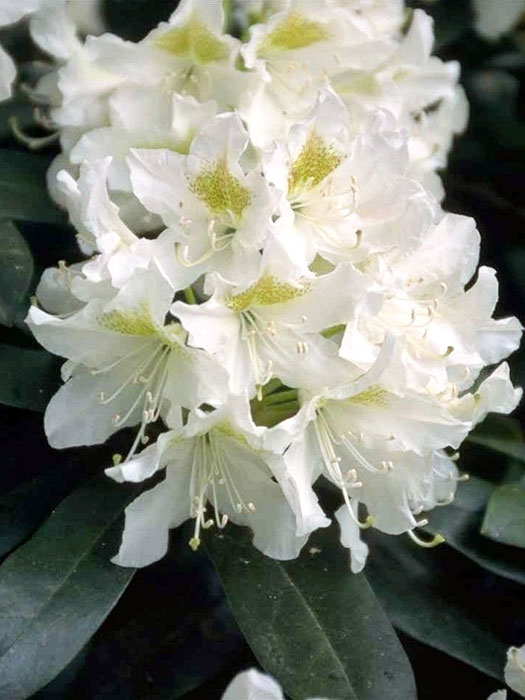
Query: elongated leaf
x,y
169,634
460,524
504,519
16,271
500,434
438,597
24,508
57,589
23,192
28,378
312,624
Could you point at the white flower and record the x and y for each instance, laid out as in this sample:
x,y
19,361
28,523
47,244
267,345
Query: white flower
x,y
343,193
141,118
127,366
216,471
189,54
293,52
381,447
449,333
515,670
54,25
254,685
270,328
270,278
418,89
218,207
495,18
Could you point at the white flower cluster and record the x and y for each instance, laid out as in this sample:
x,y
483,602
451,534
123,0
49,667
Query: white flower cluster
x,y
274,293
54,26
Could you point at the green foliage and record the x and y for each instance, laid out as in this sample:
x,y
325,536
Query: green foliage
x,y
23,191
460,524
504,519
16,272
501,434
312,624
56,589
430,596
28,378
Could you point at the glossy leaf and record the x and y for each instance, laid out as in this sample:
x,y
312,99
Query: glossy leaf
x,y
23,508
171,632
16,271
56,590
460,524
504,519
501,434
440,598
28,378
23,191
312,624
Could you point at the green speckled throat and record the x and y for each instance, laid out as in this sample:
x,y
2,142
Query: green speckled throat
x,y
193,40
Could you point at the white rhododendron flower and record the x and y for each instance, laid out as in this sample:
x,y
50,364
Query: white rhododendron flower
x,y
271,296
254,685
495,18
515,670
54,26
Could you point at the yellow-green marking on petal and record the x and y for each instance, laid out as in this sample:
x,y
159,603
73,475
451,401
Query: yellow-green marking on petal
x,y
220,190
266,291
316,161
374,396
194,39
138,323
295,32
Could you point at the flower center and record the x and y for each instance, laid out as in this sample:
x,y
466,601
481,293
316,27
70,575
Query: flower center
x,y
294,32
193,40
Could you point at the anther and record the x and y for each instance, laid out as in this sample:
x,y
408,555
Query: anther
x,y
194,543
116,418
426,544
251,507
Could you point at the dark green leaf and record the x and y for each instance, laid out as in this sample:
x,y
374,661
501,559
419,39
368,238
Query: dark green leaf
x,y
24,508
460,524
56,590
28,378
16,271
312,624
23,191
452,19
501,434
170,633
434,597
504,519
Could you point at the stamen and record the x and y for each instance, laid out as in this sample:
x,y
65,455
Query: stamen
x,y
32,142
426,544
182,253
363,525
